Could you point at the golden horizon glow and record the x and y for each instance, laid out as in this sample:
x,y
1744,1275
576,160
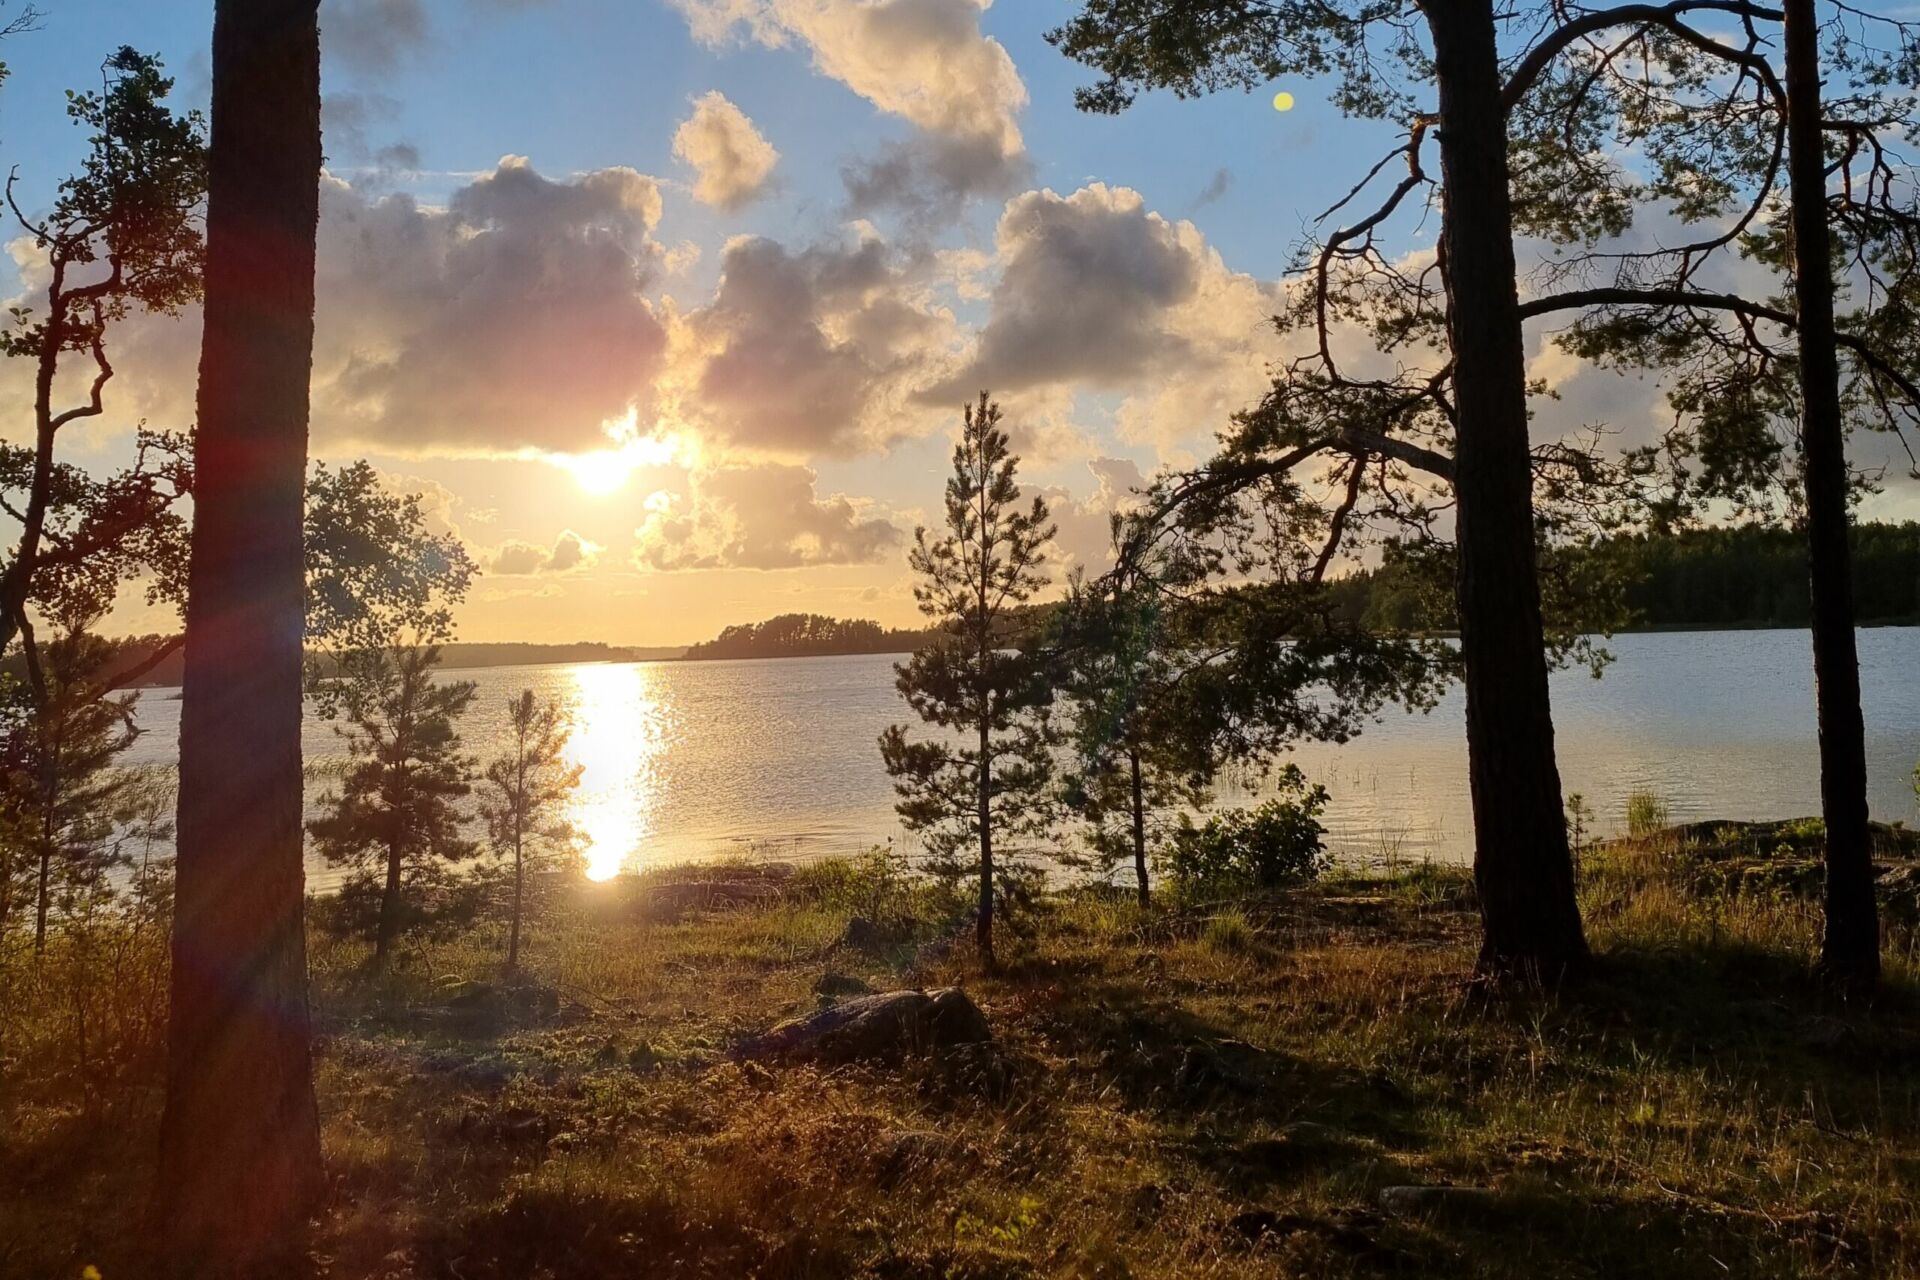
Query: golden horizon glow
x,y
618,735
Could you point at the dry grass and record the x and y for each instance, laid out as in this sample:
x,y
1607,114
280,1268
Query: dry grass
x,y
1699,1109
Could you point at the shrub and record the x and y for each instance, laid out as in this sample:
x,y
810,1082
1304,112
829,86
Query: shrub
x,y
1646,814
1241,849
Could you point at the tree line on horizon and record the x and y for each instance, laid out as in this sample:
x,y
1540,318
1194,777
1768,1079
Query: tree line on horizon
x,y
1215,639
1749,575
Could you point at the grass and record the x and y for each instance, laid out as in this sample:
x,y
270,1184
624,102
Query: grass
x,y
1700,1108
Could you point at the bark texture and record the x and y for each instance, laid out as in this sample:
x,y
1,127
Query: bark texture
x,y
239,1167
1522,866
1850,950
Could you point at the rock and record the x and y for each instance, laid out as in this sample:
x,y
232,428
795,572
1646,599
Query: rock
x,y
885,1026
1456,1203
1226,1066
1899,891
840,984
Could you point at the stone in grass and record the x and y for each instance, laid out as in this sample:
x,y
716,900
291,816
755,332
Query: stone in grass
x,y
1457,1204
886,1026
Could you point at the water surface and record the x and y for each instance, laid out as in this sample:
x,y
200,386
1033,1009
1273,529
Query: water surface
x,y
777,757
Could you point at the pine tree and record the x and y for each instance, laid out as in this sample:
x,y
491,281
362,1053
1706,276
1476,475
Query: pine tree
x,y
396,811
969,680
1120,666
523,793
239,1163
58,790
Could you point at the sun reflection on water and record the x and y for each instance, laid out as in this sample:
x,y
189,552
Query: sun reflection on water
x,y
619,730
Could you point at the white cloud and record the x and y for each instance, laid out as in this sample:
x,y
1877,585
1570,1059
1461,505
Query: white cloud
x,y
731,158
759,517
925,61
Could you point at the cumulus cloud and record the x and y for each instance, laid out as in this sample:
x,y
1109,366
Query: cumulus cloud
x,y
731,158
925,61
764,516
1099,292
813,351
1083,537
513,319
569,551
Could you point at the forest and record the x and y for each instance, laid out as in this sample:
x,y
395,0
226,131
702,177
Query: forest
x,y
1104,1005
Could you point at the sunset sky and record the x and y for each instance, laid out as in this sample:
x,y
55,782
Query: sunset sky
x,y
669,306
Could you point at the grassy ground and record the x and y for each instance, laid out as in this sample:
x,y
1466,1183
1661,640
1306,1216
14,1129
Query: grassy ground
x,y
1699,1109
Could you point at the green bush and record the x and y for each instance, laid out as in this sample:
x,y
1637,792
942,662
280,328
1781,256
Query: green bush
x,y
1278,843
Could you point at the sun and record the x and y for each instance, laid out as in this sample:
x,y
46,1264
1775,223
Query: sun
x,y
600,473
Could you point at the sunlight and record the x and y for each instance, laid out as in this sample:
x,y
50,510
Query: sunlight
x,y
603,472
618,733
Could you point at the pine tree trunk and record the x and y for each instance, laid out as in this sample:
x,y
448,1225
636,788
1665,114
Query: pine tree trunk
x,y
239,1167
40,902
1139,829
1522,866
389,909
513,935
984,927
1850,951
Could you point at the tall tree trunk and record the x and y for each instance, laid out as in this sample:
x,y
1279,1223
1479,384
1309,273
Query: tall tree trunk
x,y
1850,951
519,881
40,902
389,908
1139,828
239,1167
983,929
1522,866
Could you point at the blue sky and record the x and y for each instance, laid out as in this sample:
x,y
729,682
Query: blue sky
x,y
594,279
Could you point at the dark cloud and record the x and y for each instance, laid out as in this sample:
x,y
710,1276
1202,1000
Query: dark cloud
x,y
814,351
514,319
371,35
1217,186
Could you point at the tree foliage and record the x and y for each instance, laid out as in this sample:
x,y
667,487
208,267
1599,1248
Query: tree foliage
x,y
394,819
987,772
523,795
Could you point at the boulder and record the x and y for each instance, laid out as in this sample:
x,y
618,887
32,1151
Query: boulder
x,y
886,1026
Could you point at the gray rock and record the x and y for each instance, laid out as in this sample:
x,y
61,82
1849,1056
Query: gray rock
x,y
885,1026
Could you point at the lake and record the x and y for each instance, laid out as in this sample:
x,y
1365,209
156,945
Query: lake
x,y
777,758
